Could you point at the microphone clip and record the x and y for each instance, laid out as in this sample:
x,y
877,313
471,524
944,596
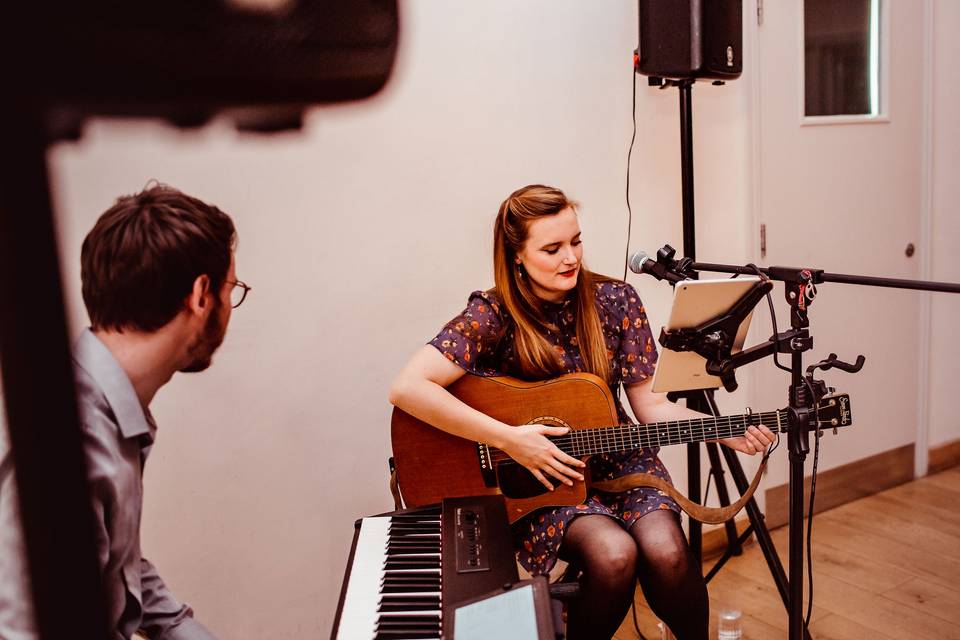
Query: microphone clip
x,y
669,269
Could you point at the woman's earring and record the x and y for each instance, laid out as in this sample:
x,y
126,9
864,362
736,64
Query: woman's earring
x,y
520,269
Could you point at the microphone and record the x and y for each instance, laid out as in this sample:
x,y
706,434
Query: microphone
x,y
640,262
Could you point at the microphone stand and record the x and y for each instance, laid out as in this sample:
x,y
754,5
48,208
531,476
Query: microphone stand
x,y
799,291
800,285
705,402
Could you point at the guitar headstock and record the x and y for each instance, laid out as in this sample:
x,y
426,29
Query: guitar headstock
x,y
833,411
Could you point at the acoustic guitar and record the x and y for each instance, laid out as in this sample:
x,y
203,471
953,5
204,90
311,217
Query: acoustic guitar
x,y
432,464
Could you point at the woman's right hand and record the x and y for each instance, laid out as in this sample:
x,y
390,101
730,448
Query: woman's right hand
x,y
528,445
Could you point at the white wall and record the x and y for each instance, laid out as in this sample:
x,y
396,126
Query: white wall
x,y
361,236
945,227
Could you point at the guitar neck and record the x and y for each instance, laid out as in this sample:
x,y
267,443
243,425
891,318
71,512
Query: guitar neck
x,y
586,442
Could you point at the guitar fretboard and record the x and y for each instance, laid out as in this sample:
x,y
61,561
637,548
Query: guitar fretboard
x,y
627,437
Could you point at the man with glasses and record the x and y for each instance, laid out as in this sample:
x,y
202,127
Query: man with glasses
x,y
159,283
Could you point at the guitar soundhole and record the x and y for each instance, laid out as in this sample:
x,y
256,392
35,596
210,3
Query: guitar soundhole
x,y
516,482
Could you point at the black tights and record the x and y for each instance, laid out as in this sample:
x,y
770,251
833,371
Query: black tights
x,y
654,550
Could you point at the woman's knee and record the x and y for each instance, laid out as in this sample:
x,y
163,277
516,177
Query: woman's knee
x,y
614,557
605,551
661,543
621,555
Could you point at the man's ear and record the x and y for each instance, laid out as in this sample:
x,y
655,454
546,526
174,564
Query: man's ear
x,y
199,299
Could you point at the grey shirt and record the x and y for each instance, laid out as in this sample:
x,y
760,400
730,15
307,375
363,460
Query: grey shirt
x,y
118,434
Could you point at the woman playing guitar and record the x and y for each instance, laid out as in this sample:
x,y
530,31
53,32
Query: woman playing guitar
x,y
549,315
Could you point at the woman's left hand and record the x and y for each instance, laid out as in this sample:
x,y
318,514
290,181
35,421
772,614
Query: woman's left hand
x,y
755,440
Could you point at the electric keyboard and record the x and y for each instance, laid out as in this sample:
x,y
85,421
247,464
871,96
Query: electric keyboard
x,y
407,566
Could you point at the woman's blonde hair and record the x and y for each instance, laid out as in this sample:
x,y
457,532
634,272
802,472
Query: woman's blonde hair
x,y
536,355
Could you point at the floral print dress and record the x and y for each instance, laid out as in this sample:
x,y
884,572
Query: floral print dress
x,y
481,341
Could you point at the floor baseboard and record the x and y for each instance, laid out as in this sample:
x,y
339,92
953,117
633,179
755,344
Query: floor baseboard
x,y
847,482
944,456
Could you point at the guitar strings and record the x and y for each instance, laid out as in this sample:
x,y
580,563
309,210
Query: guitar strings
x,y
655,432
591,441
601,440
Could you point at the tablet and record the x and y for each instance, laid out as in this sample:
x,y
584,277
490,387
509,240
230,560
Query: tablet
x,y
521,612
696,302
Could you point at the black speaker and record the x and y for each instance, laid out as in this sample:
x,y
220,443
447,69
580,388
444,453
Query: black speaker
x,y
683,39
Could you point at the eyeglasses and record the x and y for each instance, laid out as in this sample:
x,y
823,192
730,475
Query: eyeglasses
x,y
239,292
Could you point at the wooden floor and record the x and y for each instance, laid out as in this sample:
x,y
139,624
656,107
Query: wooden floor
x,y
886,566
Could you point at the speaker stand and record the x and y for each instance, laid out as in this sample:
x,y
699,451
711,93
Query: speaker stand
x,y
704,401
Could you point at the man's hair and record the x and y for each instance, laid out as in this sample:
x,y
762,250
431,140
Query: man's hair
x,y
140,260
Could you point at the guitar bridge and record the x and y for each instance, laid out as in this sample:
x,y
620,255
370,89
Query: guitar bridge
x,y
487,469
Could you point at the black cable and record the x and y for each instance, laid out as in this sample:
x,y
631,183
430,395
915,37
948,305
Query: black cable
x,y
774,446
813,494
626,256
6,467
776,335
773,319
816,456
636,625
706,493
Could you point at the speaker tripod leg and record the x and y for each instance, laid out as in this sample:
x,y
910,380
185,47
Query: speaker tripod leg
x,y
704,402
708,404
695,528
695,400
716,470
757,523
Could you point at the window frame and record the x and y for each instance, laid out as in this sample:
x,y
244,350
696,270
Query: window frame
x,y
880,15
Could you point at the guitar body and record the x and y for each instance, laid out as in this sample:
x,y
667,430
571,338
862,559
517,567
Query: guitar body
x,y
432,464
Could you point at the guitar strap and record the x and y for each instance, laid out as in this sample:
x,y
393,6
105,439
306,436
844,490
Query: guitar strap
x,y
707,515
